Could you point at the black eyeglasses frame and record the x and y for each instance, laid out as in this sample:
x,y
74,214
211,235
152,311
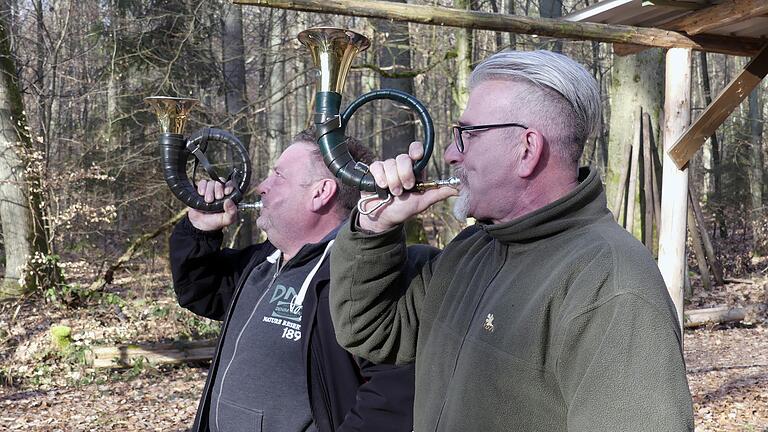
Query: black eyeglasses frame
x,y
458,130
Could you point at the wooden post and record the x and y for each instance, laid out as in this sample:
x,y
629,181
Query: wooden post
x,y
709,250
674,196
650,191
698,250
633,172
655,174
618,205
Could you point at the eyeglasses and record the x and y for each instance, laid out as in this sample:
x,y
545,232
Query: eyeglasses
x,y
458,131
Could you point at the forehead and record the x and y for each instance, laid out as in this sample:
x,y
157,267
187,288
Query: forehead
x,y
296,153
491,102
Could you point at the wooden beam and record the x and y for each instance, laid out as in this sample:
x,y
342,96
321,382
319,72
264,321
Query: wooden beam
x,y
716,113
558,28
720,15
674,194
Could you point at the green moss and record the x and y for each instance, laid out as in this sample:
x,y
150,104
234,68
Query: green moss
x,y
61,336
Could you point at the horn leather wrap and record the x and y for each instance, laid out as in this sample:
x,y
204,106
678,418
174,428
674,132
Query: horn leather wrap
x,y
331,138
176,150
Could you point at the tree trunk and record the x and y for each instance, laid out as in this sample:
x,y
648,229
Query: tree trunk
x,y
636,81
552,9
276,139
394,56
760,237
233,67
460,90
27,261
399,128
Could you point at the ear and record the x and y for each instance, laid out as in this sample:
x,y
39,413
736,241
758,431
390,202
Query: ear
x,y
532,153
323,192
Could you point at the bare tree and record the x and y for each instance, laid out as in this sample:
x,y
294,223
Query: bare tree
x,y
28,262
235,93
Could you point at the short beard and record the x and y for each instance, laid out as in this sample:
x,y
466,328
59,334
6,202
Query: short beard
x,y
461,203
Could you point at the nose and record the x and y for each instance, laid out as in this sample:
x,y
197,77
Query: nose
x,y
452,155
263,186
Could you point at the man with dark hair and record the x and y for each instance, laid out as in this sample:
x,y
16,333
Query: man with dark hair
x,y
278,367
544,316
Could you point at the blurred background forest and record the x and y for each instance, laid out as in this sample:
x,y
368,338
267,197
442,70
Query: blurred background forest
x,y
85,211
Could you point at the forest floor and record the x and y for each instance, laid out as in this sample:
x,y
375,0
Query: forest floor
x,y
45,389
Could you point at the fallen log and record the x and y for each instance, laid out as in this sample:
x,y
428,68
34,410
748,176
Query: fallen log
x,y
715,315
127,355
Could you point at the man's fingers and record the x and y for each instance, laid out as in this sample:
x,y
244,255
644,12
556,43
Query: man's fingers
x,y
416,151
393,178
405,171
377,171
209,192
201,187
218,190
230,212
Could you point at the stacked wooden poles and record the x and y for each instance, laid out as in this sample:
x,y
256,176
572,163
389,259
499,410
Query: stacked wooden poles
x,y
640,174
640,170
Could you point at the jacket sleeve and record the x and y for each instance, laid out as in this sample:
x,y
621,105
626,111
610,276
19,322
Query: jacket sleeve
x,y
621,367
384,402
204,275
377,293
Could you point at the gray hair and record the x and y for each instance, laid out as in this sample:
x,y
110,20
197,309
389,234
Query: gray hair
x,y
564,100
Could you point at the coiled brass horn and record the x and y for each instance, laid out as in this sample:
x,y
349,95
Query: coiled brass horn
x,y
333,50
175,149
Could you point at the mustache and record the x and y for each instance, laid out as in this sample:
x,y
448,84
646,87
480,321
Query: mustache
x,y
461,174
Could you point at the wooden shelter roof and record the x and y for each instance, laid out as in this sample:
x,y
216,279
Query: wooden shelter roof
x,y
734,20
739,20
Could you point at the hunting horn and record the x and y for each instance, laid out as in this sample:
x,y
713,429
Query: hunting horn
x,y
333,50
175,150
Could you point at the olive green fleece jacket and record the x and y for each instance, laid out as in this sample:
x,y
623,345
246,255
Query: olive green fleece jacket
x,y
556,321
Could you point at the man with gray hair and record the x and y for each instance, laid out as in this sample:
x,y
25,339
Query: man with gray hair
x,y
545,315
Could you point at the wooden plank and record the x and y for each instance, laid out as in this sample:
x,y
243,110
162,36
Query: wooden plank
x,y
737,90
674,195
720,15
558,28
122,356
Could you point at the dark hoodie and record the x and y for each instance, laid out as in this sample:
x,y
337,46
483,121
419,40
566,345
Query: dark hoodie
x,y
345,393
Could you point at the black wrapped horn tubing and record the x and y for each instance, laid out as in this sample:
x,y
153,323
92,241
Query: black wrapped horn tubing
x,y
330,132
174,155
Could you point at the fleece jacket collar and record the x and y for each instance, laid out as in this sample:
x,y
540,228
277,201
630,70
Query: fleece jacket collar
x,y
578,208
